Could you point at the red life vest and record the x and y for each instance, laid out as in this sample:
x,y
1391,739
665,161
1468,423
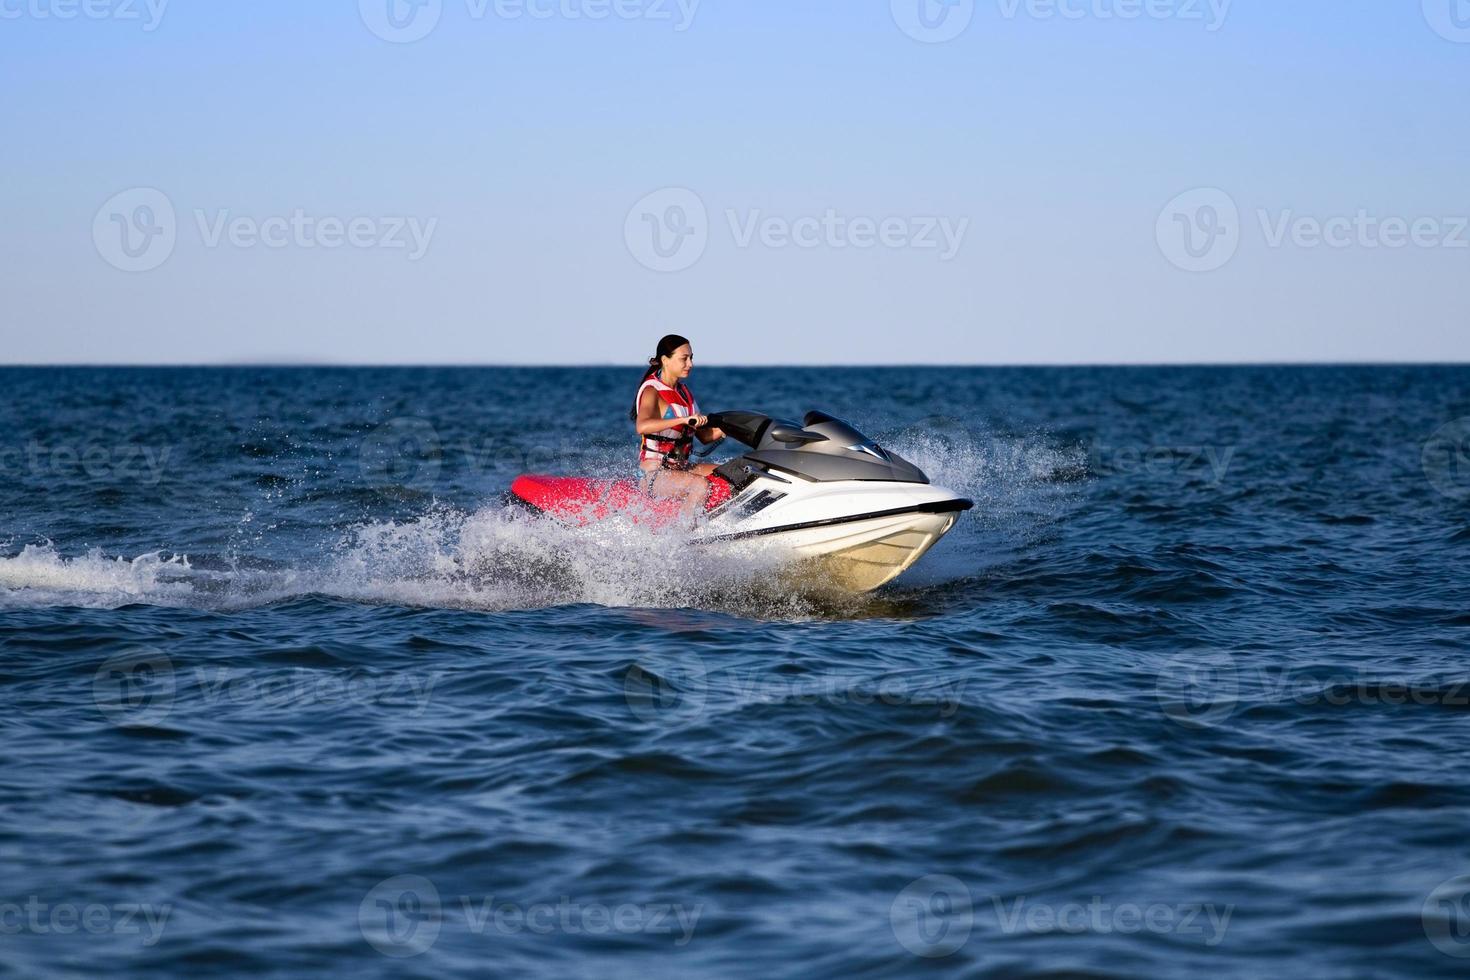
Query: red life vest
x,y
672,443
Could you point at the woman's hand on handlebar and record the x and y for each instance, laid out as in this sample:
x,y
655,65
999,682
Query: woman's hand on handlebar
x,y
696,421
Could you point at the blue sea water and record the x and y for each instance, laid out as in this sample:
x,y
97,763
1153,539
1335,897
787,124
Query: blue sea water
x,y
287,691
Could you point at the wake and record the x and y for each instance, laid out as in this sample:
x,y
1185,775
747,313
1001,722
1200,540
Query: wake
x,y
498,559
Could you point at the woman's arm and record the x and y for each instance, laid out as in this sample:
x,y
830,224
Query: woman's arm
x,y
649,419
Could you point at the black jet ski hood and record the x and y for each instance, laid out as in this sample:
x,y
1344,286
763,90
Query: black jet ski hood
x,y
823,448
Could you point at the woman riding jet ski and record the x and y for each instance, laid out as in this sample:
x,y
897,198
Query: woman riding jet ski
x,y
667,418
849,514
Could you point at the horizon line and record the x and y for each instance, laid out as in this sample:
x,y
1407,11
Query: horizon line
x,y
418,365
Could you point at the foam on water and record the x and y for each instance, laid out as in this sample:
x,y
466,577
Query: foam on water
x,y
40,576
497,558
493,559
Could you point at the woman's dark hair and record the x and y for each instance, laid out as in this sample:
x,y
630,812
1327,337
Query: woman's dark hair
x,y
666,347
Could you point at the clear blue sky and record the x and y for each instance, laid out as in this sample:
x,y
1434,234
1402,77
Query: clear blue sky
x,y
1050,147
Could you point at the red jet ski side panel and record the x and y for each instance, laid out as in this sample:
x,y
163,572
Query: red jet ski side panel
x,y
581,501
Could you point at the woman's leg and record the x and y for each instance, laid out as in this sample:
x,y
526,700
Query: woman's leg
x,y
683,485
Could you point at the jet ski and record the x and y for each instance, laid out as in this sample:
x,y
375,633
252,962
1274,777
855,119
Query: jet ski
x,y
852,515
